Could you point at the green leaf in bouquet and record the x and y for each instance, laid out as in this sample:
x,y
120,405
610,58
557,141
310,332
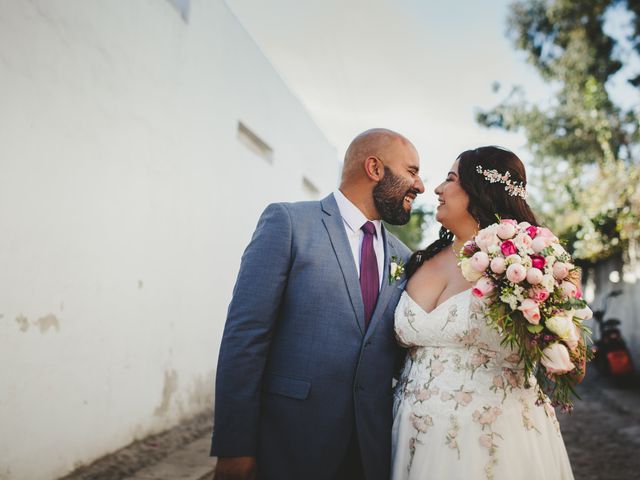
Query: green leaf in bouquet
x,y
535,328
573,304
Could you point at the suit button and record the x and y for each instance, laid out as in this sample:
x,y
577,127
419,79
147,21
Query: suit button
x,y
359,387
367,344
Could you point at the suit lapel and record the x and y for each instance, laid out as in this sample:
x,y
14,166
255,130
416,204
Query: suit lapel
x,y
386,290
335,228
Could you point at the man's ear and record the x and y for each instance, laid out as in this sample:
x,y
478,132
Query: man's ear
x,y
374,168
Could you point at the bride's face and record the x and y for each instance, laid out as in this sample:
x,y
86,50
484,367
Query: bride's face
x,y
452,200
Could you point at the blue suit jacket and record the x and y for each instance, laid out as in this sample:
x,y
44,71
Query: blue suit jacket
x,y
297,370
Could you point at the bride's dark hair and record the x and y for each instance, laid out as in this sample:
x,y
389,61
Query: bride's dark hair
x,y
486,200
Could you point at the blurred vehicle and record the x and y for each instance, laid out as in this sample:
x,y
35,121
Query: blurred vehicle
x,y
611,355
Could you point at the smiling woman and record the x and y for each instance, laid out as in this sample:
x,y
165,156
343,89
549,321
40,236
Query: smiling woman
x,y
469,202
465,407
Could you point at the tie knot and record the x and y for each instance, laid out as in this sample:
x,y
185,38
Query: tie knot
x,y
369,228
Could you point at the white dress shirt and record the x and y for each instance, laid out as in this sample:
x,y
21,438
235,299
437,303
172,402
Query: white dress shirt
x,y
353,220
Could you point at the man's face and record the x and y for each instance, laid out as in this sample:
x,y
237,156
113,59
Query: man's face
x,y
394,194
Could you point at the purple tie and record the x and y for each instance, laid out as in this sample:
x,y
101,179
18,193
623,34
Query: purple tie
x,y
369,280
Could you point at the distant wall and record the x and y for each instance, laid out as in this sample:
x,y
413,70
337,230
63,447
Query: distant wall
x,y
128,193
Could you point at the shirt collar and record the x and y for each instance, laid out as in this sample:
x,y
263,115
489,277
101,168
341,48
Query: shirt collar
x,y
352,215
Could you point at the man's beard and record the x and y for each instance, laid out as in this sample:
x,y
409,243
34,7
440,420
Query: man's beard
x,y
388,197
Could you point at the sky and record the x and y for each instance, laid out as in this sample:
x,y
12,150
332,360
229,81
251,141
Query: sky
x,y
420,67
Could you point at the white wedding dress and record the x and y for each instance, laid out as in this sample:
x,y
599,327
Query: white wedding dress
x,y
461,409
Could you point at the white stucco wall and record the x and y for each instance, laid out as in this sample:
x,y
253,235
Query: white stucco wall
x,y
126,200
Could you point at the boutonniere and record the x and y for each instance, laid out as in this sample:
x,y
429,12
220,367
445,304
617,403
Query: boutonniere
x,y
396,269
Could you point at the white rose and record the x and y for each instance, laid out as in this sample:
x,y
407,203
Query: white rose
x,y
394,268
563,326
583,313
548,282
515,258
522,240
468,272
493,249
555,359
549,261
558,250
487,237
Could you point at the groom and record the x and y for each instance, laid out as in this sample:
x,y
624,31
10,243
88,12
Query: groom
x,y
303,387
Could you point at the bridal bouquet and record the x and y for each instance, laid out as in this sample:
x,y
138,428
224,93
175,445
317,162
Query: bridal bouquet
x,y
525,276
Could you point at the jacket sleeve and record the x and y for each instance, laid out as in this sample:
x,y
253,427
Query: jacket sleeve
x,y
251,318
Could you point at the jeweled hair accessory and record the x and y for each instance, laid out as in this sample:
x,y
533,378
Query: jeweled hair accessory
x,y
515,189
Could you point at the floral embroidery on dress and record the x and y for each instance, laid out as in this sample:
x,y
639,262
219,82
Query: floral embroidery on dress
x,y
424,394
498,385
468,338
515,378
461,397
486,418
411,317
421,423
551,413
451,316
526,415
452,434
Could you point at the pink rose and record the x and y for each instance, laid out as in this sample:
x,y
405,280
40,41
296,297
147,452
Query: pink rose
x,y
486,238
538,244
509,221
546,233
538,261
569,290
480,261
560,270
506,230
483,287
530,310
539,294
523,239
534,276
498,265
508,248
532,231
516,273
556,360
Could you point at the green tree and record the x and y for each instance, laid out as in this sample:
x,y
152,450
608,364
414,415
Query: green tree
x,y
585,148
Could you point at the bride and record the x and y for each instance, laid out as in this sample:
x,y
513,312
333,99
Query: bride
x,y
462,410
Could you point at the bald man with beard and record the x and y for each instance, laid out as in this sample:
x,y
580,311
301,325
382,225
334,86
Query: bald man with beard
x,y
304,377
